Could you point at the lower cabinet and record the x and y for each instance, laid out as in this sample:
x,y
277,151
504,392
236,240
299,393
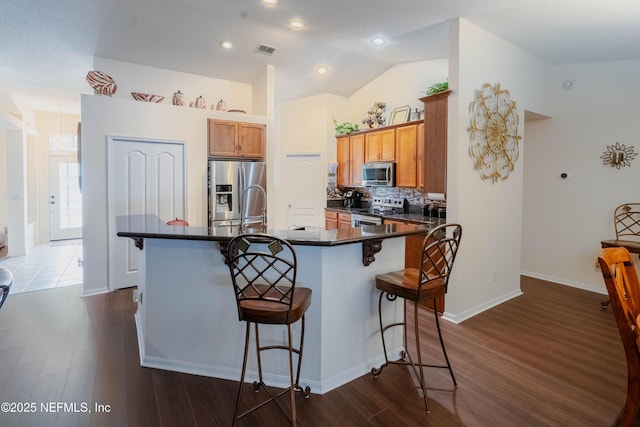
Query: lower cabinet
x,y
344,220
330,220
334,219
413,257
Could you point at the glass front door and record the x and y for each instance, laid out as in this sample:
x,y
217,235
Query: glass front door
x,y
65,199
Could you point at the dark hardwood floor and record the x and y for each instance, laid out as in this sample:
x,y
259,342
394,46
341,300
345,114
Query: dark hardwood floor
x,y
551,357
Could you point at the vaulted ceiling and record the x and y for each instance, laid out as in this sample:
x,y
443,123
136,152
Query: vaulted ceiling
x,y
47,47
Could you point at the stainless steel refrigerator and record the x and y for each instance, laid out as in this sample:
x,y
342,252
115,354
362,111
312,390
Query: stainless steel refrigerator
x,y
237,191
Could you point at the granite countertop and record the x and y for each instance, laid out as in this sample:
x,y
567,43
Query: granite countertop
x,y
416,218
152,227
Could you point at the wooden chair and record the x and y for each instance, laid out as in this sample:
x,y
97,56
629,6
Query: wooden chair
x,y
263,270
621,279
422,286
626,222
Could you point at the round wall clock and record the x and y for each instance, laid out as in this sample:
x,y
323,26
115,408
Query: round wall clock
x,y
494,132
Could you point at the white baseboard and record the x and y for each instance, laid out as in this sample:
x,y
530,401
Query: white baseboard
x,y
97,291
561,281
467,314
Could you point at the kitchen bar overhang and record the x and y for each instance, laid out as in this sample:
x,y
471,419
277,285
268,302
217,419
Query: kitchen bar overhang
x,y
139,227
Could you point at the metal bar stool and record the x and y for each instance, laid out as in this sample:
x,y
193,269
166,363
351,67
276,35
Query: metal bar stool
x,y
422,286
263,270
6,281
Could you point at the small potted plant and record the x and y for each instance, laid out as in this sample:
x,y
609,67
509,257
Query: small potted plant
x,y
374,115
437,88
344,128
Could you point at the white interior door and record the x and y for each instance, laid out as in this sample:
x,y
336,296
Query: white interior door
x,y
145,177
65,199
305,181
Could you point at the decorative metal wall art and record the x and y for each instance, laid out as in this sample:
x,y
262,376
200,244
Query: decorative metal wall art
x,y
618,155
494,132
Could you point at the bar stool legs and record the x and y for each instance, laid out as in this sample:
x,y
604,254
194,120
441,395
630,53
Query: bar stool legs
x,y
418,368
444,350
294,385
263,271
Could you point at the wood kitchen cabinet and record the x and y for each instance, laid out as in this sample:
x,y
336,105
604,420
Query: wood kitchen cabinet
x,y
402,143
380,146
344,220
330,220
350,157
229,139
334,219
420,156
406,156
435,142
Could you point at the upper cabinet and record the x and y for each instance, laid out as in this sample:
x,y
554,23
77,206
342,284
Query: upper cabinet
x,y
406,142
380,146
229,139
401,143
420,156
435,142
350,157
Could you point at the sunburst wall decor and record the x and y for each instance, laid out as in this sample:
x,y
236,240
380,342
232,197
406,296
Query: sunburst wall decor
x,y
494,132
618,155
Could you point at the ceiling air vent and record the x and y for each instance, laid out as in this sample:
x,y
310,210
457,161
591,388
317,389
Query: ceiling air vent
x,y
265,49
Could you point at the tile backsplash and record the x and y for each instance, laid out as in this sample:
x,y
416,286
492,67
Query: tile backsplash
x,y
413,196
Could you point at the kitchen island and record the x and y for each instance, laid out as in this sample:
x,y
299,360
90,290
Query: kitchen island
x,y
187,318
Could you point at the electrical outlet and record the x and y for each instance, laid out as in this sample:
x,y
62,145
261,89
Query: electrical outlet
x,y
597,265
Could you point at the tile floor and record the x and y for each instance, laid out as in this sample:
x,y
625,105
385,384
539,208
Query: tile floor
x,y
47,266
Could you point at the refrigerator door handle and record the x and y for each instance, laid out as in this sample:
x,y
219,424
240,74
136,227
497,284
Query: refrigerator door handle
x,y
240,193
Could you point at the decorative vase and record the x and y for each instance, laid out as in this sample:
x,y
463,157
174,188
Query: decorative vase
x,y
221,106
101,83
178,98
200,102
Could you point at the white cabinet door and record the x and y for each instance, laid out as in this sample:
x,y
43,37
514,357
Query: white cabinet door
x,y
145,177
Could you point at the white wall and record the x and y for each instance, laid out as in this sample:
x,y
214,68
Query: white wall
x,y
102,116
120,115
402,84
565,220
139,78
488,264
304,126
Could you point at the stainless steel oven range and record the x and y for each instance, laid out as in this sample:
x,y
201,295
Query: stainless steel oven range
x,y
362,219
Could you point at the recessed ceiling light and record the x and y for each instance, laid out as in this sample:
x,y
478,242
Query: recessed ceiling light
x,y
378,41
226,44
270,2
296,24
322,70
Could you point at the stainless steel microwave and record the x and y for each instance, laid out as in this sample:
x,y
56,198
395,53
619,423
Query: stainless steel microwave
x,y
379,174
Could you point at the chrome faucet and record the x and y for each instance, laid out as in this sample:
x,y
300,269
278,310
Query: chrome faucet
x,y
264,205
